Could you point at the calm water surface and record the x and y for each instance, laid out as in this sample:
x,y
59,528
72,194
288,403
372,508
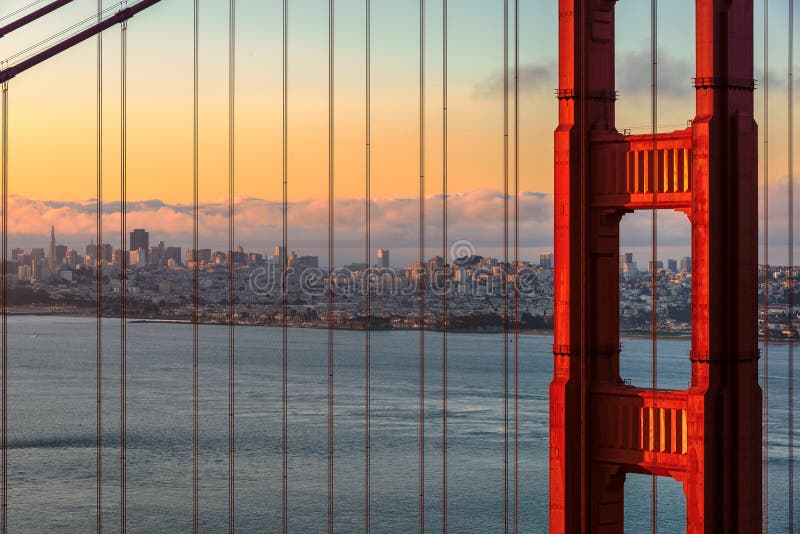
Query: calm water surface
x,y
52,429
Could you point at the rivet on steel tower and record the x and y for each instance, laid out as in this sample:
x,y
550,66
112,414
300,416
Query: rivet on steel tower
x,y
707,437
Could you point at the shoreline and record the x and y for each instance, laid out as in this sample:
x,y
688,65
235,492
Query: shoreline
x,y
144,320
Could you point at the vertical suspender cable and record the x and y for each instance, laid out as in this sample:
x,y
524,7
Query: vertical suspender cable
x,y
505,266
285,281
123,283
331,221
791,265
444,286
4,282
99,287
516,267
231,280
196,276
765,215
654,171
421,280
367,292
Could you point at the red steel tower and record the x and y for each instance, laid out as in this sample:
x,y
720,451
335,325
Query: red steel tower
x,y
708,437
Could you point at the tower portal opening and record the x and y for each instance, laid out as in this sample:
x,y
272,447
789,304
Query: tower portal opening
x,y
673,298
671,504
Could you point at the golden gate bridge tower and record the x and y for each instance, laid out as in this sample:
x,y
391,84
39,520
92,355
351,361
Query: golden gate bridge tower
x,y
707,437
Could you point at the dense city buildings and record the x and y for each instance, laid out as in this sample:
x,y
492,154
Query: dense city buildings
x,y
160,286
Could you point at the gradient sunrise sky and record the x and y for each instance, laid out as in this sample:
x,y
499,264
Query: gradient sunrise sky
x,y
52,116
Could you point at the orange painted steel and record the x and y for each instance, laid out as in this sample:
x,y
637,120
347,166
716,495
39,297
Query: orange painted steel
x,y
708,437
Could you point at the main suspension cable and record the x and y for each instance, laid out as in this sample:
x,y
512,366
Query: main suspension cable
x,y
24,8
367,273
331,221
99,284
61,36
31,17
421,280
196,274
123,283
231,276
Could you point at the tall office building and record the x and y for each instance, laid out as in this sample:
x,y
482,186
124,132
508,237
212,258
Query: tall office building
x,y
105,252
154,255
91,253
627,267
116,259
73,258
60,257
140,239
686,264
174,254
546,260
672,265
203,255
383,258
280,255
37,254
51,259
657,265
37,269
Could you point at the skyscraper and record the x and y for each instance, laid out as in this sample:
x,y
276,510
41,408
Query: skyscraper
x,y
383,258
51,259
672,265
280,255
91,253
140,239
37,254
546,260
60,257
686,264
105,252
203,255
174,254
